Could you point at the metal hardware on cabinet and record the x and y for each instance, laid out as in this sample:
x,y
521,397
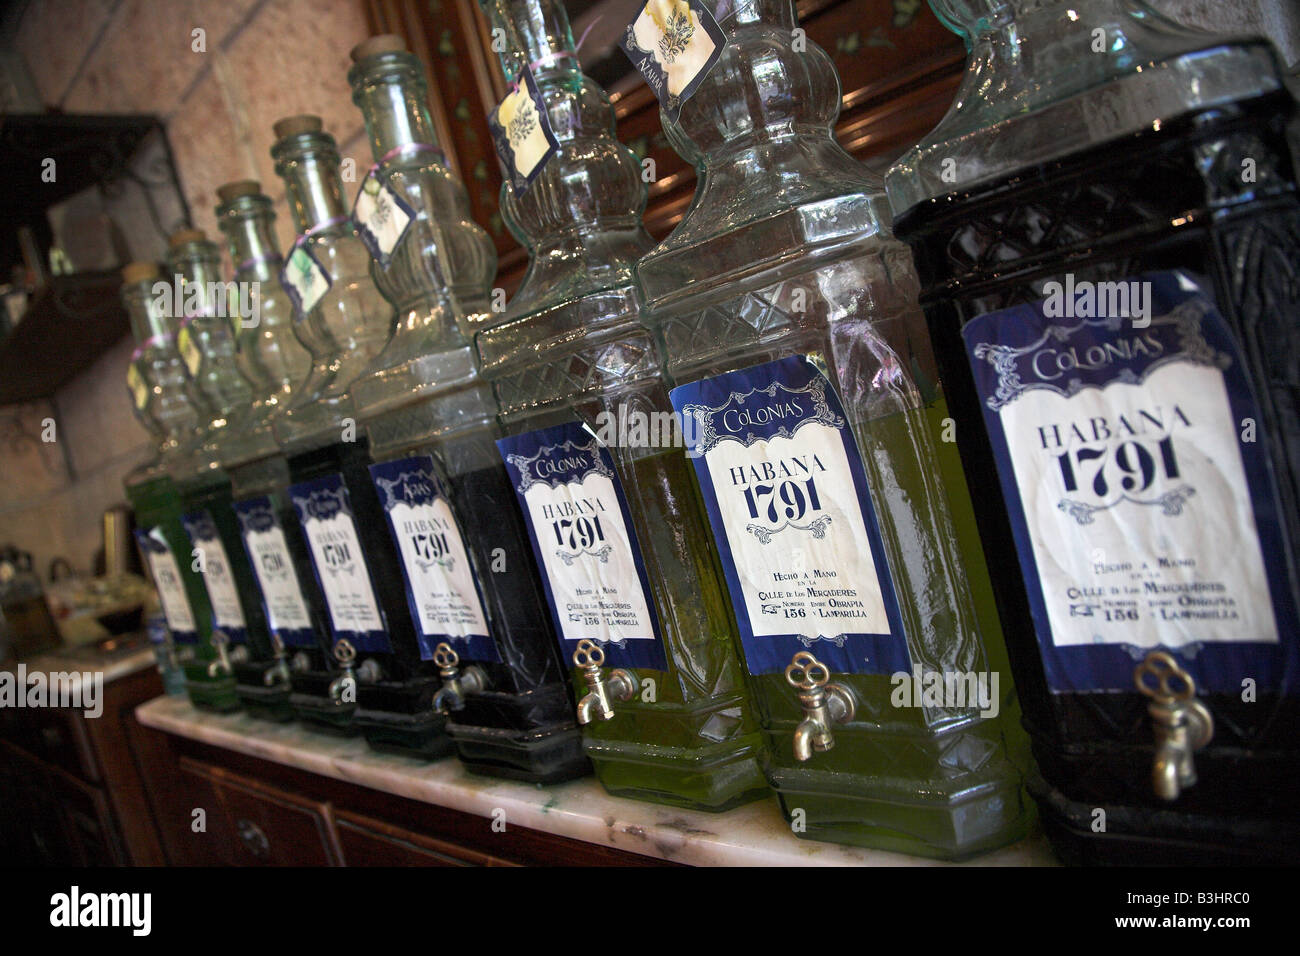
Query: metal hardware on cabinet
x,y
345,654
222,664
1182,724
620,685
254,838
824,704
456,685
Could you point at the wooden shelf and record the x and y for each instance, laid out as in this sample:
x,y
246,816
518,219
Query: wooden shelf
x,y
70,322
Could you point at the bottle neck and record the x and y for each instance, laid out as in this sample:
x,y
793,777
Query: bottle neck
x,y
147,313
581,217
198,264
389,88
309,166
537,33
777,13
249,226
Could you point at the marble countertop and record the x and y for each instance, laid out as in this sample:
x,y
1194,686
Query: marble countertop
x,y
752,835
111,669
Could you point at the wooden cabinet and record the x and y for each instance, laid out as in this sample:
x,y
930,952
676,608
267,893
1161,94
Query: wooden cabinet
x,y
261,825
70,789
259,813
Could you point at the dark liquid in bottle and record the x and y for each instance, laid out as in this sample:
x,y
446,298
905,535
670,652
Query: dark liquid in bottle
x,y
215,498
529,689
1173,199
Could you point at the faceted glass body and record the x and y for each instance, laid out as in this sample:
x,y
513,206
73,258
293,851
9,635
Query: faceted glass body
x,y
1148,183
431,423
573,350
786,252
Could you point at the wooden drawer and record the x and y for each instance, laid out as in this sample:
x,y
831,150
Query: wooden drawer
x,y
368,842
59,736
267,826
89,822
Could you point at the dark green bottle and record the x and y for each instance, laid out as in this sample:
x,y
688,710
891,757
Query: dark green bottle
x,y
161,393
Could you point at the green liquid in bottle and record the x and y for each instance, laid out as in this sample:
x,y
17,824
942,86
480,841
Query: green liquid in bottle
x,y
941,782
687,739
157,505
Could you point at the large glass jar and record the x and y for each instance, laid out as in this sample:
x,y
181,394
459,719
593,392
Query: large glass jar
x,y
620,541
1106,226
789,316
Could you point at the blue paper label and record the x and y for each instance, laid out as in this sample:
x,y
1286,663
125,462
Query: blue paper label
x,y
218,576
787,497
325,513
1129,449
167,579
268,553
441,589
582,534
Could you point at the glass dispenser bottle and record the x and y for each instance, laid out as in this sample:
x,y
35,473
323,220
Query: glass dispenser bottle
x,y
631,575
345,322
161,392
274,363
207,342
437,482
1106,226
788,313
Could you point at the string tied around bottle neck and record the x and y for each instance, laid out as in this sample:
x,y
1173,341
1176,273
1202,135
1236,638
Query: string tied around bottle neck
x,y
554,57
319,228
414,149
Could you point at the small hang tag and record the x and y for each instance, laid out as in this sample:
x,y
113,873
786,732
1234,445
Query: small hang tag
x,y
381,218
522,132
139,390
674,43
190,353
305,279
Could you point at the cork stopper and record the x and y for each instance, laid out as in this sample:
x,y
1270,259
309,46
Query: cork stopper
x,y
384,43
138,272
182,236
293,125
244,187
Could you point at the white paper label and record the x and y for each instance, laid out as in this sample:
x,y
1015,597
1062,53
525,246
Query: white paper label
x,y
285,609
190,353
380,217
1175,427
304,279
344,577
171,592
438,569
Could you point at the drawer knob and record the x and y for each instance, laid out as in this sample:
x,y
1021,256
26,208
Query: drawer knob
x,y
254,839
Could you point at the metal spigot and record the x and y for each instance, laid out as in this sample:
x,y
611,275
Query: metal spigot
x,y
221,665
239,654
277,673
345,654
456,685
1182,724
824,704
301,662
620,685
